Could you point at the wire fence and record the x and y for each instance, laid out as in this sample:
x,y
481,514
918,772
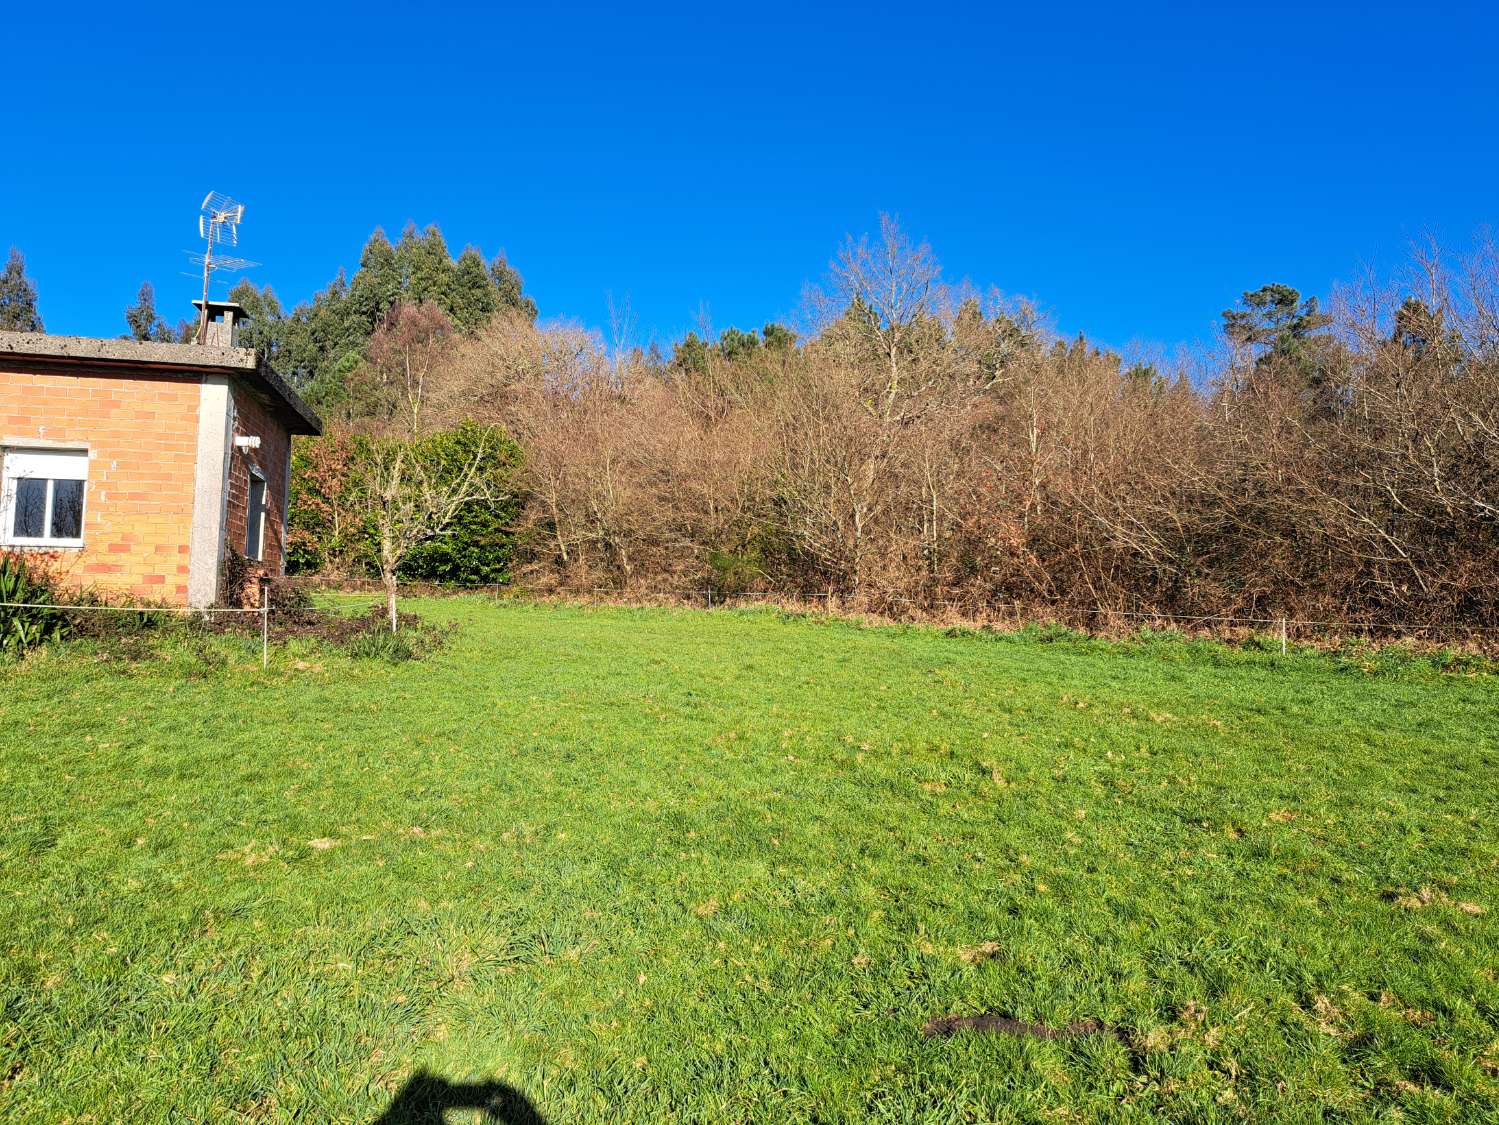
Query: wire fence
x,y
353,594
1282,629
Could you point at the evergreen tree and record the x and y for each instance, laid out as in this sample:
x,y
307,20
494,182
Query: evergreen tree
x,y
508,287
265,327
1422,330
778,338
143,321
1277,321
690,355
475,298
377,283
426,267
734,344
320,344
18,297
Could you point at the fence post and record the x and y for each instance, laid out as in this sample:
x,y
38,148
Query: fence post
x,y
265,626
1282,636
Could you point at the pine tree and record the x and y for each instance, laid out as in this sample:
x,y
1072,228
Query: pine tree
x,y
18,297
734,344
690,355
1274,318
1285,332
778,338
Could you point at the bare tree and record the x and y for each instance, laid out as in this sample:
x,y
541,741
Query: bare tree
x,y
411,498
411,345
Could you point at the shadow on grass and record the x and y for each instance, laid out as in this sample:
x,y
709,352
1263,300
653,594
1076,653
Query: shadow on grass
x,y
426,1098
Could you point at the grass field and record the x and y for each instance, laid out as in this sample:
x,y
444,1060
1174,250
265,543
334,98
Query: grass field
x,y
676,866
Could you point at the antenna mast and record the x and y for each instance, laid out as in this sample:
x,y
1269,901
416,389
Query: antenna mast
x,y
218,225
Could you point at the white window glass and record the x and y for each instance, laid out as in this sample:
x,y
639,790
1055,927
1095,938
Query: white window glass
x,y
41,497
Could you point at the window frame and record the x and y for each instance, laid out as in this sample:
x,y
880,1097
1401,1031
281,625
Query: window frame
x,y
66,463
255,520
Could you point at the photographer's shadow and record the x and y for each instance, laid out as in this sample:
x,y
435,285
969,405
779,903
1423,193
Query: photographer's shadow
x,y
426,1098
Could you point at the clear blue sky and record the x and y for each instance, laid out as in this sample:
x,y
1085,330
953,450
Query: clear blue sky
x,y
1131,167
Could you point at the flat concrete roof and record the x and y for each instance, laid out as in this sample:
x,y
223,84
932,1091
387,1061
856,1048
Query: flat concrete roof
x,y
120,357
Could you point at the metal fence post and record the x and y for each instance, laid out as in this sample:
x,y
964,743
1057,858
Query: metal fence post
x,y
1282,636
265,626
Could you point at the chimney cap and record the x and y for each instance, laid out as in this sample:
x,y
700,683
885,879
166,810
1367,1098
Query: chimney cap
x,y
218,308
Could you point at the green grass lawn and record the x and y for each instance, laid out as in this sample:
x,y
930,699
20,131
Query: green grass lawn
x,y
679,866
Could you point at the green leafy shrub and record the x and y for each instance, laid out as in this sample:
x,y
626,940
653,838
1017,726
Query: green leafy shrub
x,y
22,627
479,547
330,531
735,571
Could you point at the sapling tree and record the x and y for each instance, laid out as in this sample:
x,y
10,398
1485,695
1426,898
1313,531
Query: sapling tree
x,y
413,491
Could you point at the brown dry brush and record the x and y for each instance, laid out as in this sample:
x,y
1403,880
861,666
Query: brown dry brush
x,y
927,449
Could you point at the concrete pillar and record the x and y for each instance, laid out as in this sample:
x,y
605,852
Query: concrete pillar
x,y
205,560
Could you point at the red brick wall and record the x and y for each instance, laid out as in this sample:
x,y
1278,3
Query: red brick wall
x,y
142,434
252,419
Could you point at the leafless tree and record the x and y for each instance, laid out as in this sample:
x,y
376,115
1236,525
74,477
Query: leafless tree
x,y
411,499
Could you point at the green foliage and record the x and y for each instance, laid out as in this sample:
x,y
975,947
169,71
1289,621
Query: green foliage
x,y
144,322
1274,878
479,547
508,286
330,530
778,338
475,299
263,315
22,628
426,269
733,572
734,344
318,345
377,283
18,297
379,643
690,355
1285,332
1144,377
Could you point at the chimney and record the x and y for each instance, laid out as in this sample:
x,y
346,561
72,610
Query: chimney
x,y
223,318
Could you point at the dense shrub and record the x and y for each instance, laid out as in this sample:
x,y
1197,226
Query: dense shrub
x,y
331,531
479,548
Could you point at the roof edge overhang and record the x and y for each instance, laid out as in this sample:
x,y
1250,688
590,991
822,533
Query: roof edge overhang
x,y
119,358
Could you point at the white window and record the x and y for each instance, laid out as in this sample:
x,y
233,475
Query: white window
x,y
41,497
255,518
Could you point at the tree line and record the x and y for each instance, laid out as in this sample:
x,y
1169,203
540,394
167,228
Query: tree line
x,y
922,443
913,443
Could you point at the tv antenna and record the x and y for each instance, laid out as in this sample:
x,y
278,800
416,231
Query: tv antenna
x,y
218,226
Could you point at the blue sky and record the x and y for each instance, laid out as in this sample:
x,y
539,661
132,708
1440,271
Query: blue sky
x,y
1132,168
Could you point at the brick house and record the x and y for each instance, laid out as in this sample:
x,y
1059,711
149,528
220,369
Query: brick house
x,y
135,468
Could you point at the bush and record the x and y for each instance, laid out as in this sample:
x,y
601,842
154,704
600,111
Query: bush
x,y
21,627
330,530
479,548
